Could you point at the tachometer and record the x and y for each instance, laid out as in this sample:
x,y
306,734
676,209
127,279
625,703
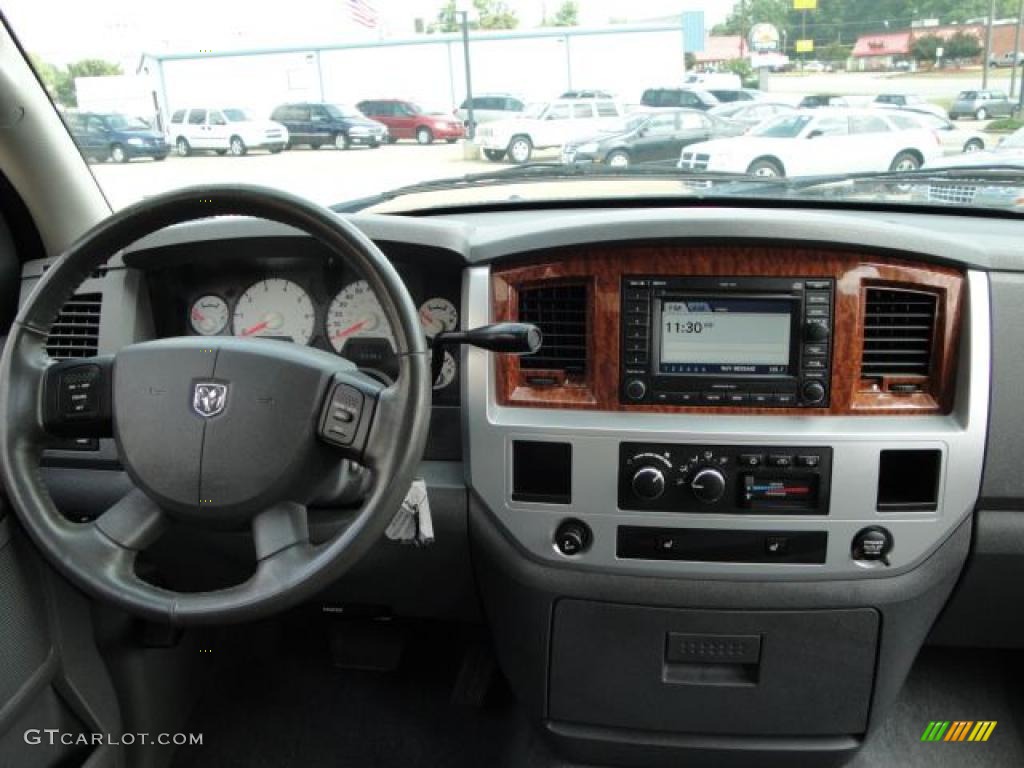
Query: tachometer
x,y
356,313
438,315
209,315
275,308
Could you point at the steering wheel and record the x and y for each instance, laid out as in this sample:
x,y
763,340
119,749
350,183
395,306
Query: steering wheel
x,y
216,432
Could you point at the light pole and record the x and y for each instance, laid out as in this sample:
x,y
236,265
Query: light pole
x,y
988,44
1016,50
470,122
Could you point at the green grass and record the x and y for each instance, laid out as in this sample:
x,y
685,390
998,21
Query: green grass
x,y
1006,124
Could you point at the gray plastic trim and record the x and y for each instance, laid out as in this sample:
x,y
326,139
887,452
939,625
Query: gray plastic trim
x,y
855,441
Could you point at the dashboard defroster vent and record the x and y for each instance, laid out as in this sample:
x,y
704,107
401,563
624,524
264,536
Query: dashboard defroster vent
x,y
899,331
76,331
560,311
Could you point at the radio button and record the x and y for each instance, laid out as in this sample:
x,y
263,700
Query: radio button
x,y
815,350
762,398
816,312
815,364
737,398
638,307
637,295
785,398
637,321
816,330
818,285
808,461
715,398
751,459
636,345
819,298
684,398
636,358
780,460
813,392
636,389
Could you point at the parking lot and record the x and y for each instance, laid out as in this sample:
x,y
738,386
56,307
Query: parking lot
x,y
326,175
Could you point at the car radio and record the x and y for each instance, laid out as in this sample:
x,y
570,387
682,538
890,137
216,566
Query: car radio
x,y
726,341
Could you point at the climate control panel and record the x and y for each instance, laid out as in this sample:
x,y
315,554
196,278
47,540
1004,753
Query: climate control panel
x,y
724,478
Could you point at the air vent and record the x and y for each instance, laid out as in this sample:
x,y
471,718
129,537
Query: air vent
x,y
899,327
76,332
97,274
560,311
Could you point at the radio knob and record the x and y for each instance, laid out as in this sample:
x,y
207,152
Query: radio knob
x,y
708,485
636,389
815,332
649,483
813,392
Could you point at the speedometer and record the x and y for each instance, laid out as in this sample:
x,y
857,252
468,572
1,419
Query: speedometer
x,y
356,313
275,308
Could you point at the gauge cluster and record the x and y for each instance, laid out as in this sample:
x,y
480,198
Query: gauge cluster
x,y
307,301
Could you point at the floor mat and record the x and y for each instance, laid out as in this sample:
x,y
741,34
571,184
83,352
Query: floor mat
x,y
295,709
952,685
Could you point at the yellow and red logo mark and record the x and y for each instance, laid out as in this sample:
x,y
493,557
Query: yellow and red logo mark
x,y
958,730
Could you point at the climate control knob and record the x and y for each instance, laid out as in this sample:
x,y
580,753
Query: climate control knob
x,y
649,483
708,485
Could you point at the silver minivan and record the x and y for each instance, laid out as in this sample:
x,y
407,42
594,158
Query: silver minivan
x,y
490,107
981,105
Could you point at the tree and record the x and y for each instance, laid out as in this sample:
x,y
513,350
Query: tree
x,y
689,60
567,15
744,15
492,14
962,45
742,68
835,51
926,47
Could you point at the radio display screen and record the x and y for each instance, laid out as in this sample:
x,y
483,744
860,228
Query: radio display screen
x,y
725,336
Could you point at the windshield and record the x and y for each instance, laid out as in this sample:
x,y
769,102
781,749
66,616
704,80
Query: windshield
x,y
124,123
782,127
352,104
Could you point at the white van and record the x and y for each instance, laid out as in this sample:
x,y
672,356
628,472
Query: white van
x,y
708,80
228,130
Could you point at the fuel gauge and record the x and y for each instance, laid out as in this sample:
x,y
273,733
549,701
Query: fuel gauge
x,y
209,315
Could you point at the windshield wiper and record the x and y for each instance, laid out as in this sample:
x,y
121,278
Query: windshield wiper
x,y
995,175
553,171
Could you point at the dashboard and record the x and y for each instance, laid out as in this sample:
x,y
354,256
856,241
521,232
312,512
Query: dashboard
x,y
793,426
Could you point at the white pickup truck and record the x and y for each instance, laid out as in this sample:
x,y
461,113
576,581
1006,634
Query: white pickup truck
x,y
543,126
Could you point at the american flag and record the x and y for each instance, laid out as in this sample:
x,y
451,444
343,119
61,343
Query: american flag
x,y
363,13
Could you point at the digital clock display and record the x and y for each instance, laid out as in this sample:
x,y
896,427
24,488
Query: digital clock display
x,y
730,336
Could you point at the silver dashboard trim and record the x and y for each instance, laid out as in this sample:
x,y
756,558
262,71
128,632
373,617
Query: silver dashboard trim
x,y
595,436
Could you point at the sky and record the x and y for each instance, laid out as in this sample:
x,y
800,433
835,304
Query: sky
x,y
120,30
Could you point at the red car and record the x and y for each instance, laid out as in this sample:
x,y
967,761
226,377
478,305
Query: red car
x,y
406,120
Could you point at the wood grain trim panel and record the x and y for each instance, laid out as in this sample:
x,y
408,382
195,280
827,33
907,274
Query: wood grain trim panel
x,y
601,269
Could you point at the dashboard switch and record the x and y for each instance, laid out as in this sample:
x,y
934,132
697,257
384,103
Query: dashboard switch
x,y
636,389
872,544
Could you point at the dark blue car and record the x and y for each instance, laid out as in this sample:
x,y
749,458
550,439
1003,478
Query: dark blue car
x,y
115,137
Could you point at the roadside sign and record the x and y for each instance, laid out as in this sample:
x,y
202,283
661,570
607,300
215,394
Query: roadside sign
x,y
805,5
938,52
804,46
764,37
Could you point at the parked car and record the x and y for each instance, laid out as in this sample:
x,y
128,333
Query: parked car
x,y
816,100
408,120
223,130
646,137
729,95
911,100
981,105
544,126
814,66
1009,153
691,98
317,124
748,114
112,136
1007,59
810,142
494,106
954,139
586,94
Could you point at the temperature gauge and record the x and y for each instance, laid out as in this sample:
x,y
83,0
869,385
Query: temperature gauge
x,y
448,371
438,315
209,315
